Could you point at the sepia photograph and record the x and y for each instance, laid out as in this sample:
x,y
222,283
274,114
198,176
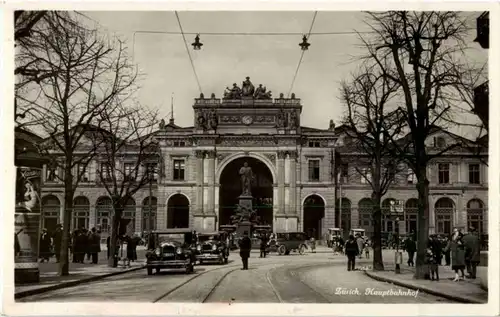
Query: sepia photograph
x,y
251,157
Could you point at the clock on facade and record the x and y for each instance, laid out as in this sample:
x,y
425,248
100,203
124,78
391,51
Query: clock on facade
x,y
247,120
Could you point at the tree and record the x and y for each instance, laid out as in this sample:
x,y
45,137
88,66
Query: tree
x,y
85,73
371,125
128,157
427,56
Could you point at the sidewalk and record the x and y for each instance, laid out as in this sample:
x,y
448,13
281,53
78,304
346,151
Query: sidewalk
x,y
465,291
78,273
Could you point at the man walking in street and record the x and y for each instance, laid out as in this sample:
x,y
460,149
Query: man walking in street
x,y
57,237
95,246
245,247
351,250
361,244
410,247
472,252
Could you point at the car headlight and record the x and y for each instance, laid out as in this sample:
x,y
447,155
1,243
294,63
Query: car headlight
x,y
214,247
158,252
198,247
178,251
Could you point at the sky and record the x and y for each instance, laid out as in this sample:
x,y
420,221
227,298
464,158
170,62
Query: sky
x,y
270,60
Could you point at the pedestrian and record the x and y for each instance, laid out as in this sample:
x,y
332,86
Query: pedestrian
x,y
361,243
45,244
472,252
437,248
57,238
351,250
263,245
313,245
245,246
410,247
446,252
81,245
457,249
131,249
367,249
108,245
88,244
431,260
95,245
73,245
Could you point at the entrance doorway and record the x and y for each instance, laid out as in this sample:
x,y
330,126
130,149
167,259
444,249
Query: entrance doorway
x,y
262,190
314,212
178,212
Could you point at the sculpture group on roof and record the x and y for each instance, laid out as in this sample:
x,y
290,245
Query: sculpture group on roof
x,y
247,90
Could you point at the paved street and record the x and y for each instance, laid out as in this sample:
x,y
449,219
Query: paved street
x,y
310,278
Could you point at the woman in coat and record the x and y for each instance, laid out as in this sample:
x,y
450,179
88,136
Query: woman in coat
x,y
457,252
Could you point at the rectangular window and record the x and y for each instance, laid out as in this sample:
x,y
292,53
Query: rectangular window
x,y
444,173
51,174
366,176
411,177
105,172
83,173
179,143
179,166
129,171
314,144
474,174
314,170
152,168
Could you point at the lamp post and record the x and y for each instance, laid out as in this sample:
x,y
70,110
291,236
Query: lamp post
x,y
398,257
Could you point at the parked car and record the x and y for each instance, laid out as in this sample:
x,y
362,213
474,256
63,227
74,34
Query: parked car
x,y
333,236
212,247
231,231
172,249
287,242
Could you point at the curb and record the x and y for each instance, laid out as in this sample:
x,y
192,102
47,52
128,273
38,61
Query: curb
x,y
426,290
41,290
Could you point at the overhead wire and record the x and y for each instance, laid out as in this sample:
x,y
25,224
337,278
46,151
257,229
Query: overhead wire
x,y
302,54
255,33
188,52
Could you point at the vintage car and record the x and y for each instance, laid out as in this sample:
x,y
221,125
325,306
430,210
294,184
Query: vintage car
x,y
171,249
286,242
334,235
258,231
212,247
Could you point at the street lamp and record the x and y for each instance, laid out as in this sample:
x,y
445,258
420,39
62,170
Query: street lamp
x,y
304,45
197,44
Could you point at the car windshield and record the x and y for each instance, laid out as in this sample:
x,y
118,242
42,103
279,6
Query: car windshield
x,y
203,238
176,237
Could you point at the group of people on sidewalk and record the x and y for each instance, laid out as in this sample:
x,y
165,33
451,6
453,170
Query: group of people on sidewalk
x,y
459,250
82,242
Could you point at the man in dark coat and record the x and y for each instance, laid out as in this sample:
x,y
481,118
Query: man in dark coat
x,y
45,244
472,252
436,247
81,245
95,245
57,236
245,247
351,250
263,245
410,247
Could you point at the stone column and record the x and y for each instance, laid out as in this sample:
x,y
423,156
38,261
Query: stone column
x,y
92,216
199,181
293,183
281,182
138,219
211,182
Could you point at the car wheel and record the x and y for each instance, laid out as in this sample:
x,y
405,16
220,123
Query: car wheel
x,y
281,250
302,249
226,260
150,271
158,270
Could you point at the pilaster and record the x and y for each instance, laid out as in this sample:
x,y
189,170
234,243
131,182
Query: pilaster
x,y
92,216
211,182
138,219
200,155
293,183
281,181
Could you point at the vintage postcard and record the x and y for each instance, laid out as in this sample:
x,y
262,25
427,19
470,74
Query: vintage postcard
x,y
267,159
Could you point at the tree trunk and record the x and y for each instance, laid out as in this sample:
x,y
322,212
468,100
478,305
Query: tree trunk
x,y
423,221
113,243
378,261
68,208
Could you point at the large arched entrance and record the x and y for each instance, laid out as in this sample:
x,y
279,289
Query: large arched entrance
x,y
178,211
314,211
230,189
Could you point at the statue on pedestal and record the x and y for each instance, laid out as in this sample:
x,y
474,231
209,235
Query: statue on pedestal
x,y
213,121
201,122
247,177
232,93
281,120
293,121
247,88
162,124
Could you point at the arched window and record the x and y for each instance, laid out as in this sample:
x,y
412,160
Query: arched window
x,y
475,216
365,208
149,220
411,211
443,210
81,212
388,211
51,207
104,210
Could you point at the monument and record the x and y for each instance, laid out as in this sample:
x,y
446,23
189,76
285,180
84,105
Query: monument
x,y
245,216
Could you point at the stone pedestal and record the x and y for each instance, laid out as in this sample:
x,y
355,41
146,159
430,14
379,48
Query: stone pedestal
x,y
246,202
244,226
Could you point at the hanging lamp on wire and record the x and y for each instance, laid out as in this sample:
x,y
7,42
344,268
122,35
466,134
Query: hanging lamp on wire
x,y
197,44
304,45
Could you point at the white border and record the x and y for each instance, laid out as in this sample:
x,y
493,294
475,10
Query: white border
x,y
135,309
